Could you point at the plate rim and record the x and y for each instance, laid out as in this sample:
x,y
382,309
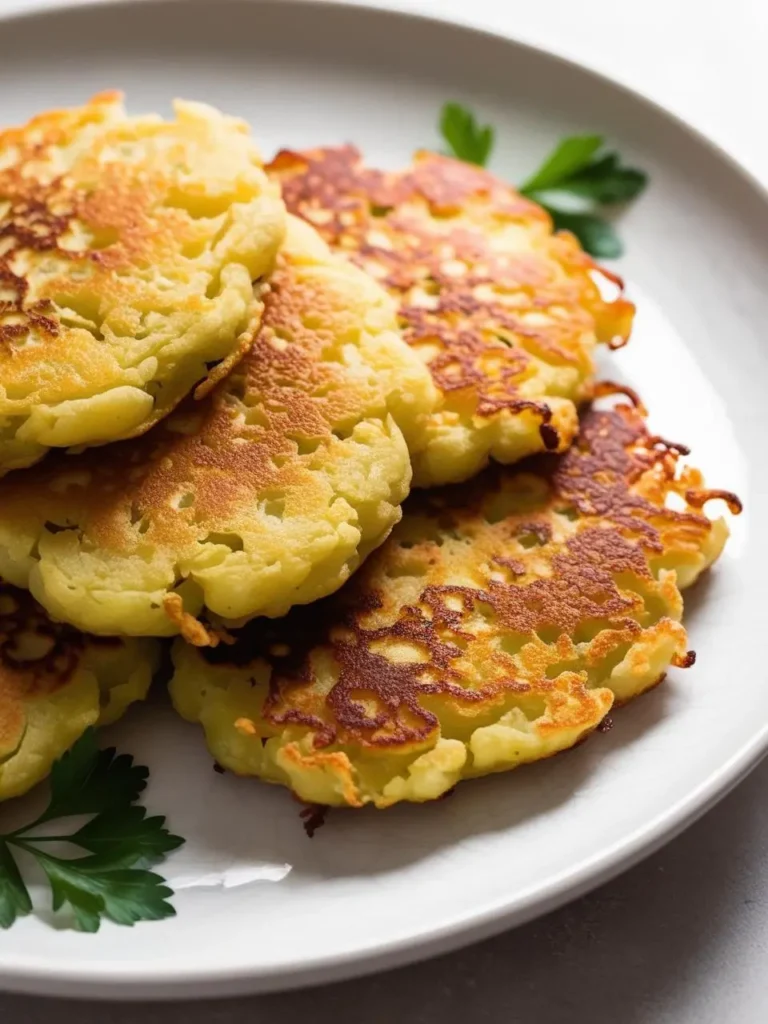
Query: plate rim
x,y
136,981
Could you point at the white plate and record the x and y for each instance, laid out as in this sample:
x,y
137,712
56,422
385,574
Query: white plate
x,y
259,906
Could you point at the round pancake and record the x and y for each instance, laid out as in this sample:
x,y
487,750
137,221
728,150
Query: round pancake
x,y
497,626
128,248
54,683
505,313
266,494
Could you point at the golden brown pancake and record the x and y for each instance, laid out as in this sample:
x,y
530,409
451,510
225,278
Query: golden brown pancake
x,y
54,683
128,251
266,494
505,313
497,626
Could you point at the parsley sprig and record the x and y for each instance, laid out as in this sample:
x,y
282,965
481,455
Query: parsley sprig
x,y
119,841
578,183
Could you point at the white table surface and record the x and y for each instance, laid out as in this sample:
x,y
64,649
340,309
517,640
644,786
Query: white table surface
x,y
682,938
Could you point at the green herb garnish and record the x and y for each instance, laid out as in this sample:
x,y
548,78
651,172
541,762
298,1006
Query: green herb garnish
x,y
467,139
575,183
119,841
597,236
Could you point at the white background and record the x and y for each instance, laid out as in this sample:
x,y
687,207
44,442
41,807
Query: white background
x,y
684,937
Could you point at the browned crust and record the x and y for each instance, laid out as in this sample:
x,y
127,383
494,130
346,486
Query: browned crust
x,y
59,651
262,434
193,631
522,584
128,226
428,235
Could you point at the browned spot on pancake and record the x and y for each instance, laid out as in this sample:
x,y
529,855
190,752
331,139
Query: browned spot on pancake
x,y
481,305
37,657
17,314
686,660
549,436
38,209
581,586
543,557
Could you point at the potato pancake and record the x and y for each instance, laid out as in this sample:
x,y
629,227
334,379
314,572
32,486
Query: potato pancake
x,y
505,313
128,251
266,494
497,626
54,683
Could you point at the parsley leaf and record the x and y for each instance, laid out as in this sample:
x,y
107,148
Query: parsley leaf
x,y
14,896
119,839
574,183
570,156
86,780
467,140
606,181
596,235
93,887
130,828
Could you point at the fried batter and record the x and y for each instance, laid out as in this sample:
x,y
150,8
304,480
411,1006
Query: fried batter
x,y
54,683
497,626
128,248
505,313
265,495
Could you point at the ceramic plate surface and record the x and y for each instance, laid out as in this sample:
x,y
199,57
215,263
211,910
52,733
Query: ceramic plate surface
x,y
259,905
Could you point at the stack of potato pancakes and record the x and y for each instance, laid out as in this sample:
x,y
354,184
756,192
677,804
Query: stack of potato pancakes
x,y
219,383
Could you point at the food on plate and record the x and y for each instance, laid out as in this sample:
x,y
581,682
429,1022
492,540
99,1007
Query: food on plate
x,y
505,313
56,682
265,495
497,626
128,251
299,371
